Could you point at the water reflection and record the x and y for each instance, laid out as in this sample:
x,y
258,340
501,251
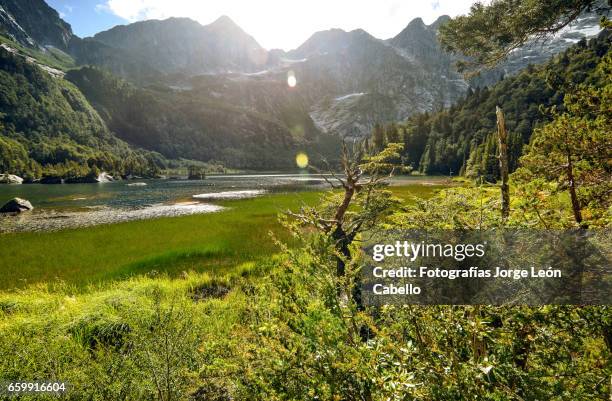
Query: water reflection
x,y
68,206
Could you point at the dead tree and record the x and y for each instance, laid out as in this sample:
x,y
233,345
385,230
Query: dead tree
x,y
361,177
503,163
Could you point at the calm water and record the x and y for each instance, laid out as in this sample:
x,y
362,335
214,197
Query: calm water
x,y
76,205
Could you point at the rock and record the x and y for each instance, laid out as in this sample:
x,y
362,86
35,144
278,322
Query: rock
x,y
52,180
10,179
91,179
105,177
16,205
34,24
132,177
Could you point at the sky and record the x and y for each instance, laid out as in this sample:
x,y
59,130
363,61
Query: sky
x,y
283,24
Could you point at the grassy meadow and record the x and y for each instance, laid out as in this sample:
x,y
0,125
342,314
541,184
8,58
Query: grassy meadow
x,y
207,242
148,308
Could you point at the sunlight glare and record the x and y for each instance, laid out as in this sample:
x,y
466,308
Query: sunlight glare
x,y
291,79
301,160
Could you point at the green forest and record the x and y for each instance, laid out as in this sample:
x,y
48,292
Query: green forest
x,y
48,129
461,140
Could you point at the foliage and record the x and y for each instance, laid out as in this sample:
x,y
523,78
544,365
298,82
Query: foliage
x,y
49,56
491,32
315,343
14,158
141,339
461,139
59,131
279,329
573,151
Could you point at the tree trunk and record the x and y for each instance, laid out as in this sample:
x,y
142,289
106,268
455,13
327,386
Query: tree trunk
x,y
572,189
342,247
503,163
338,234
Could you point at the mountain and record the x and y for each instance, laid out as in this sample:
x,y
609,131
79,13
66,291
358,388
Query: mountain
x,y
358,80
349,81
212,93
33,23
118,61
361,80
418,42
539,52
181,45
215,120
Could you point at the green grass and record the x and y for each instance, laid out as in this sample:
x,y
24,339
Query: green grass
x,y
78,335
214,242
51,57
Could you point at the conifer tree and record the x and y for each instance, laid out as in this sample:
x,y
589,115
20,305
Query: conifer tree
x,y
491,32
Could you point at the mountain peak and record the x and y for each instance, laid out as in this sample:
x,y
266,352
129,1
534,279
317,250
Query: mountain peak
x,y
360,31
225,26
443,19
417,22
224,21
415,32
322,42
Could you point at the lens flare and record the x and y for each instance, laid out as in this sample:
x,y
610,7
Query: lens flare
x,y
291,79
301,160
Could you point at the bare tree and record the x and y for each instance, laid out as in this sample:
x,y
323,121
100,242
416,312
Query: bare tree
x,y
361,203
503,162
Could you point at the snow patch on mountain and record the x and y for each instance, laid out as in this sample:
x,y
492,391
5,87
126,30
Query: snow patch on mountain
x,y
350,95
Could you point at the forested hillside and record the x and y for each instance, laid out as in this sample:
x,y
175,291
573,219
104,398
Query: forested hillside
x,y
257,125
461,138
47,128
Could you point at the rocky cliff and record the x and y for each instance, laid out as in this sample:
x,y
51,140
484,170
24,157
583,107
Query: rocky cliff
x,y
34,23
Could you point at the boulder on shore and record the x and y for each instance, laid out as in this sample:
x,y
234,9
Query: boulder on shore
x,y
105,177
10,179
16,205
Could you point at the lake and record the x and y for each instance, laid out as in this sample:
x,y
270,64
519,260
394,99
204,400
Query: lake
x,y
77,205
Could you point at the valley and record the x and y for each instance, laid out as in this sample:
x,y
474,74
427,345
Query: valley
x,y
188,215
174,89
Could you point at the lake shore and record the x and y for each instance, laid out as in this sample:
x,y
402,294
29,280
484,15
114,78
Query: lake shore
x,y
60,207
82,256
